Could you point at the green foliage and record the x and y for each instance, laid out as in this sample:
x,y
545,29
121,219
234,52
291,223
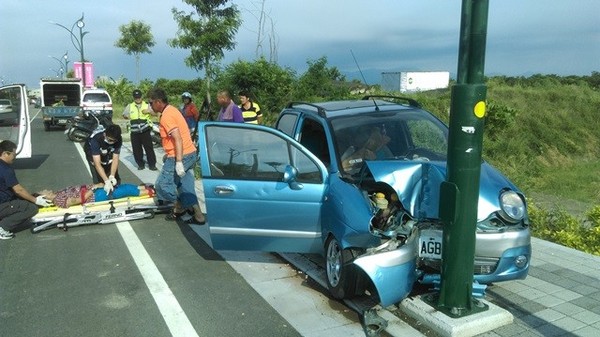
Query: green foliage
x,y
498,117
321,82
559,226
136,38
174,89
207,32
554,134
269,84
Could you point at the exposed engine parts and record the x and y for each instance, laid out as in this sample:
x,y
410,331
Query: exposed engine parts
x,y
389,217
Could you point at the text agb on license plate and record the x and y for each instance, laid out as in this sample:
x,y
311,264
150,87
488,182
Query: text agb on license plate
x,y
430,244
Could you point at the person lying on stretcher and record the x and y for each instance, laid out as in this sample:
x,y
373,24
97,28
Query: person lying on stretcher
x,y
83,194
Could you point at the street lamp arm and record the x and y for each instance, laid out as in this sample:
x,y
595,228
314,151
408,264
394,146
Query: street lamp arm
x,y
77,43
74,39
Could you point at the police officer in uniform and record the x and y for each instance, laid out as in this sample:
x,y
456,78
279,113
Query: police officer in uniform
x,y
102,151
139,114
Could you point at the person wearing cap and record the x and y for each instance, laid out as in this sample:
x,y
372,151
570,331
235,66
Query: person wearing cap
x,y
140,115
189,111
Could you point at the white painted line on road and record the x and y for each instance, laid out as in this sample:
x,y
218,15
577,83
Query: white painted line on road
x,y
169,307
82,155
32,118
176,319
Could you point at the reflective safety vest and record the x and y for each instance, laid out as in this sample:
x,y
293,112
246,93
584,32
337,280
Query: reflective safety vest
x,y
140,121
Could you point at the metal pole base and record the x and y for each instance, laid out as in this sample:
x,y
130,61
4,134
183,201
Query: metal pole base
x,y
475,306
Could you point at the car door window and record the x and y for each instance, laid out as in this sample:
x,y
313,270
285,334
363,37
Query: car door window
x,y
286,123
14,118
236,153
10,107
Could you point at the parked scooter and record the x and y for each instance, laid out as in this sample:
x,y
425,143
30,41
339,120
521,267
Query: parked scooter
x,y
89,122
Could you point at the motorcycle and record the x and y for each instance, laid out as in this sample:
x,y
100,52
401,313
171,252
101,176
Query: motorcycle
x,y
81,127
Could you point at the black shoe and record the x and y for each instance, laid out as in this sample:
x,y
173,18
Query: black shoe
x,y
172,216
153,168
141,167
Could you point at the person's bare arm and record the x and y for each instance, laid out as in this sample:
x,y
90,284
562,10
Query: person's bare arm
x,y
99,168
23,193
178,141
115,164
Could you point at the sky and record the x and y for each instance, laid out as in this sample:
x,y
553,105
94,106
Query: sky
x,y
524,37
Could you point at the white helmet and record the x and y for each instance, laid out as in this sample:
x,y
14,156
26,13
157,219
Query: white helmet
x,y
186,95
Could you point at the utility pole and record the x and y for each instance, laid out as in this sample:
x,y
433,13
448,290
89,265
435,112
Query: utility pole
x,y
77,42
460,192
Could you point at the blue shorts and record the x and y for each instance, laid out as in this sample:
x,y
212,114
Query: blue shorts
x,y
121,191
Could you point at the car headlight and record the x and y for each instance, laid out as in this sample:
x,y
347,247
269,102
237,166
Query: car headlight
x,y
512,207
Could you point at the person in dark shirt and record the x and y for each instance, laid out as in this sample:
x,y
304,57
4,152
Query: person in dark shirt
x,y
17,206
102,153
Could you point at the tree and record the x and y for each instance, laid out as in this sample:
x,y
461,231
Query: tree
x,y
269,84
321,82
262,17
136,38
207,32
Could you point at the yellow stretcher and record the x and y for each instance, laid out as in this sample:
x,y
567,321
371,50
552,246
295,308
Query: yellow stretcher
x,y
103,212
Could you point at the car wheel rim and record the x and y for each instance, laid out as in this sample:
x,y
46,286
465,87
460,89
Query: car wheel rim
x,y
334,263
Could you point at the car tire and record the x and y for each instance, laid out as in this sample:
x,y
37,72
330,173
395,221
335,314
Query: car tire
x,y
341,272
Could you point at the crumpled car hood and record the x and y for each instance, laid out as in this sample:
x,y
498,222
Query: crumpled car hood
x,y
418,185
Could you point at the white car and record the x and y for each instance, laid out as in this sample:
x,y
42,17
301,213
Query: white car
x,y
5,105
97,101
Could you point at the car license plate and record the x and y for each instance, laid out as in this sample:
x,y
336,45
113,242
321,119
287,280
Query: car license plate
x,y
62,121
430,244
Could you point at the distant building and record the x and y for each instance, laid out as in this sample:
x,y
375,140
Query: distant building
x,y
413,81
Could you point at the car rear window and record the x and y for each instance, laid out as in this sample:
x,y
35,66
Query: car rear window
x,y
99,97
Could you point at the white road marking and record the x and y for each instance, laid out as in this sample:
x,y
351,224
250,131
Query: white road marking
x,y
32,118
176,319
169,307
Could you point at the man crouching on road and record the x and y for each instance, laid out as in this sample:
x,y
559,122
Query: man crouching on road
x,y
17,206
176,182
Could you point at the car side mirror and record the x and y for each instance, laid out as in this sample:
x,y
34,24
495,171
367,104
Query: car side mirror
x,y
289,176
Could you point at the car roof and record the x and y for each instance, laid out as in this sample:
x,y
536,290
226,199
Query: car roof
x,y
95,91
367,104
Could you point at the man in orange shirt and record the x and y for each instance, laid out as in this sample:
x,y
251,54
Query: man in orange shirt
x,y
176,182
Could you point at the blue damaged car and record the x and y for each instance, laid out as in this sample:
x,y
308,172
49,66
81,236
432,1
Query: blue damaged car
x,y
359,182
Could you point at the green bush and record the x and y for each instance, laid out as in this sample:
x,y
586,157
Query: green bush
x,y
558,226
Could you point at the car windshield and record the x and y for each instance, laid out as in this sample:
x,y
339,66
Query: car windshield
x,y
401,135
96,98
4,102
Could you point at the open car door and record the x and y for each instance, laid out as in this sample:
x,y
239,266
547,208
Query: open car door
x,y
14,118
263,190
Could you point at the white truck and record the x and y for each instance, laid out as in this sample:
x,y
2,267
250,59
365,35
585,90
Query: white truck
x,y
60,101
413,81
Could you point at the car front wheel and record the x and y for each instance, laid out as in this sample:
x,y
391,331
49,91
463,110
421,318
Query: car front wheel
x,y
341,272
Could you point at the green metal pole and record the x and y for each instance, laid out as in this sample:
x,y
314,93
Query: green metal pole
x,y
460,191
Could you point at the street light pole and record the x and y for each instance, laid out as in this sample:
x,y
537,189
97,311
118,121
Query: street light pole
x,y
77,42
62,71
66,58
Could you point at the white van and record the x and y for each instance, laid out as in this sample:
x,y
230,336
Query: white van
x,y
97,101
